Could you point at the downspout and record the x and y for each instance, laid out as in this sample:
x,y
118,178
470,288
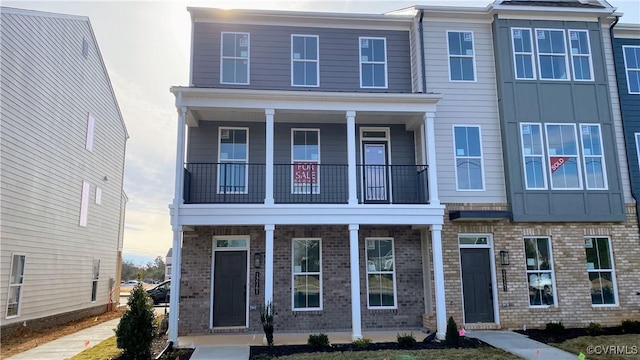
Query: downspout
x,y
422,59
617,70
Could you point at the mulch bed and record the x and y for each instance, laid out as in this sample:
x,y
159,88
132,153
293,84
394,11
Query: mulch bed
x,y
259,352
547,337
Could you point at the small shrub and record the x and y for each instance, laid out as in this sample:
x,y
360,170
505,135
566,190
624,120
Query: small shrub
x,y
137,328
594,329
554,327
266,318
631,326
406,341
174,354
263,357
452,337
318,341
362,343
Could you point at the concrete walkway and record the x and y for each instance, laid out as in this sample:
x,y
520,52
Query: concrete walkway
x,y
221,352
70,345
520,345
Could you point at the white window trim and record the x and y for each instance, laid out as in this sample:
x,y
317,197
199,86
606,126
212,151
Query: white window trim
x,y
552,271
455,156
10,285
98,196
293,275
612,270
315,190
565,55
530,54
637,136
577,156
222,57
602,158
91,124
627,69
591,76
542,157
473,57
220,161
316,61
395,282
84,203
386,75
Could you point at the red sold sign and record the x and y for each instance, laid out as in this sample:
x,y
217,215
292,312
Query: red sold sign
x,y
305,173
557,162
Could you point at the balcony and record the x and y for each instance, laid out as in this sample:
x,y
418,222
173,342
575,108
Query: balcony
x,y
304,183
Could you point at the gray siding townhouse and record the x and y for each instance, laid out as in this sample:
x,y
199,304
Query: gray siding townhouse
x,y
62,159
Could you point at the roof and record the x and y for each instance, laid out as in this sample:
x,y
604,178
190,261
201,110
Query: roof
x,y
555,3
169,252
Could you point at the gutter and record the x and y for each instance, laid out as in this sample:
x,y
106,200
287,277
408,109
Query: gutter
x,y
422,59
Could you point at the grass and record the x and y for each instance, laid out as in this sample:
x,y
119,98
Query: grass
x,y
584,343
452,354
105,350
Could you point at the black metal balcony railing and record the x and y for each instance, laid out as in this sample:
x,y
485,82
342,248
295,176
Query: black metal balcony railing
x,y
304,183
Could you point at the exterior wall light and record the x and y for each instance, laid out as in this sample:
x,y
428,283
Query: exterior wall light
x,y
504,257
257,260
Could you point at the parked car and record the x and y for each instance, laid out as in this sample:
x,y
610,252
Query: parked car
x,y
131,283
160,293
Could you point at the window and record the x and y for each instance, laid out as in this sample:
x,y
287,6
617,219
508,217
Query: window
x,y
98,196
307,274
305,154
84,203
373,62
461,56
523,53
468,156
94,282
552,54
233,157
15,286
580,55
637,135
592,157
539,271
533,156
234,63
562,150
91,123
632,68
600,270
381,288
304,60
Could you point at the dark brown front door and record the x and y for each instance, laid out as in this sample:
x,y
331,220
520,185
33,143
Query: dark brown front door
x,y
230,288
476,285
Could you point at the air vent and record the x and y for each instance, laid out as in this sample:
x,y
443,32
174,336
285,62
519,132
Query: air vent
x,y
85,47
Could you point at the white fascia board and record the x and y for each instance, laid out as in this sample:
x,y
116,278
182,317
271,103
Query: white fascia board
x,y
533,12
627,31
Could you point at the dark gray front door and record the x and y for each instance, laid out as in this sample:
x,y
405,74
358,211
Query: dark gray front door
x,y
476,285
230,288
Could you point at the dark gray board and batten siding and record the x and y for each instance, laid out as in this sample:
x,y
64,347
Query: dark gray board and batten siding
x,y
270,57
543,101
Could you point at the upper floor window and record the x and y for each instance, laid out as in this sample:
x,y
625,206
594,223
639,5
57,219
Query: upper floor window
x,y
468,156
373,62
562,151
632,68
533,156
305,154
234,62
381,288
84,203
91,124
461,56
233,156
540,277
637,136
580,55
523,53
307,274
593,157
552,54
601,271
304,60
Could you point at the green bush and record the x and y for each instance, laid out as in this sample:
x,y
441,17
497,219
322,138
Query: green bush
x,y
594,329
137,327
266,318
362,343
452,337
554,327
318,341
631,326
406,341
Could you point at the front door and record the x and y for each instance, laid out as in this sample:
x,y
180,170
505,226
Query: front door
x,y
230,288
375,172
476,285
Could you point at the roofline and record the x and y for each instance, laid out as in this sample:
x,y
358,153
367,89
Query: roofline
x,y
27,12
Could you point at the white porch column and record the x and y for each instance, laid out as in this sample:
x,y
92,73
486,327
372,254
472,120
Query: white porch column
x,y
356,323
431,158
351,157
178,199
268,263
438,277
268,191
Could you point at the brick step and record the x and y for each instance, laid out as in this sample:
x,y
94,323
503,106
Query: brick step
x,y
482,326
230,330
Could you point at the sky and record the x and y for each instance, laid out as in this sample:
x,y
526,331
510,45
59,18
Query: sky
x,y
145,46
